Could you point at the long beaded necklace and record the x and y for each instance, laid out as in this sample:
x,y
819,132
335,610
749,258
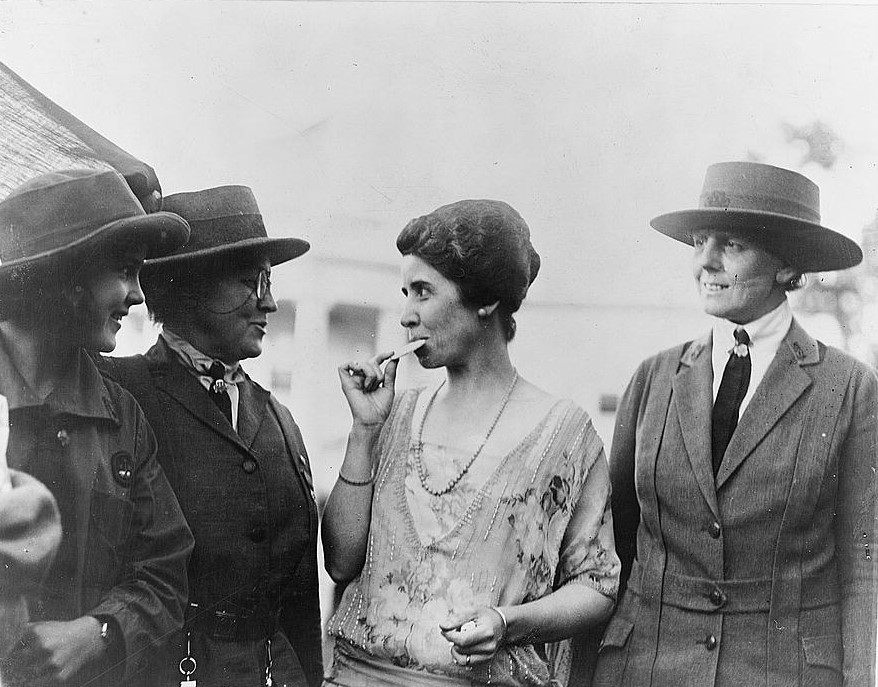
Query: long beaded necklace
x,y
418,448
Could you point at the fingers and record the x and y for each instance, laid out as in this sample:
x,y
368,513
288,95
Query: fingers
x,y
363,375
368,375
390,374
470,657
456,619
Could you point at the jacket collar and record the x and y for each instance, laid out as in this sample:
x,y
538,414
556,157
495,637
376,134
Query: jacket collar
x,y
784,382
81,392
182,385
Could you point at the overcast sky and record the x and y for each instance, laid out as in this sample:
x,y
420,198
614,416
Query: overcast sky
x,y
348,119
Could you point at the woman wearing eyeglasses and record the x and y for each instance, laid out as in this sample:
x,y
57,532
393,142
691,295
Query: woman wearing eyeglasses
x,y
232,452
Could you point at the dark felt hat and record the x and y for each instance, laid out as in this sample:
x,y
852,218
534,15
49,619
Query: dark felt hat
x,y
225,221
776,208
60,215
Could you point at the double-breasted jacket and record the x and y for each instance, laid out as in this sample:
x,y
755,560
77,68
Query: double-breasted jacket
x,y
765,574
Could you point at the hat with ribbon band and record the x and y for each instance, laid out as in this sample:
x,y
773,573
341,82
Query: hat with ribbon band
x,y
776,208
225,221
60,215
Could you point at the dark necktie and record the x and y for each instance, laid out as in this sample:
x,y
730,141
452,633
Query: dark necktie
x,y
732,390
218,391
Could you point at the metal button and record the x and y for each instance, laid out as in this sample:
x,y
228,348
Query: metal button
x,y
710,642
257,534
63,437
714,530
717,598
249,466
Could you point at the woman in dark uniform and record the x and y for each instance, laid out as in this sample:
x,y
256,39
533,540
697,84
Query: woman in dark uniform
x,y
232,452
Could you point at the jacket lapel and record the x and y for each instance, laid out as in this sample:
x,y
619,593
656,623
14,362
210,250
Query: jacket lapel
x,y
784,382
252,405
175,380
693,396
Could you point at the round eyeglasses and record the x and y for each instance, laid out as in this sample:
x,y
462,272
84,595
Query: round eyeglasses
x,y
259,286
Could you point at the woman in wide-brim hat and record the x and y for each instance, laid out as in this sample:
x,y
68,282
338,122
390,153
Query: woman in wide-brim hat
x,y
233,453
71,246
743,465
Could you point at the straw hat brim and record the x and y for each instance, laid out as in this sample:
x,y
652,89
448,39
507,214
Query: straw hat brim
x,y
162,232
806,246
277,250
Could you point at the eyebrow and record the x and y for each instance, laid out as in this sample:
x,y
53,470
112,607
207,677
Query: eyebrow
x,y
417,283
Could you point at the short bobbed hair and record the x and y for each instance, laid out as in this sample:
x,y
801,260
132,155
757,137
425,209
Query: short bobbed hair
x,y
483,246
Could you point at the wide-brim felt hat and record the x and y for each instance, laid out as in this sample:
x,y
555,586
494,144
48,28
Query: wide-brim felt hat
x,y
225,222
68,214
776,208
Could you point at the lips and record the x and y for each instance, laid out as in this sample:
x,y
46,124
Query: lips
x,y
712,287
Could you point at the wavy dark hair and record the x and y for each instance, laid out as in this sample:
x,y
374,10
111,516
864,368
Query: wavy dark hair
x,y
483,246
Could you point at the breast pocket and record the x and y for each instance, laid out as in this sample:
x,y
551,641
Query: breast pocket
x,y
110,520
823,658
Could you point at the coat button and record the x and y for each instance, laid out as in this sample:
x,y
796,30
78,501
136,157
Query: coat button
x,y
249,466
717,598
710,642
63,438
257,534
714,530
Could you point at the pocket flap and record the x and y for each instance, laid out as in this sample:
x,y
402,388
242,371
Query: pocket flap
x,y
823,651
617,632
111,516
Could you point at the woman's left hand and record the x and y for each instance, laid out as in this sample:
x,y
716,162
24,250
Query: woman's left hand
x,y
475,635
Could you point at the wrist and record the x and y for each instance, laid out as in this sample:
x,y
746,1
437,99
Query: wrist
x,y
108,635
504,629
366,431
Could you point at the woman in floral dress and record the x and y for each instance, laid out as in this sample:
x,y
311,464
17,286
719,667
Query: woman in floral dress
x,y
470,521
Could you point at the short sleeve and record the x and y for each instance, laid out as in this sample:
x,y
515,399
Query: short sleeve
x,y
588,550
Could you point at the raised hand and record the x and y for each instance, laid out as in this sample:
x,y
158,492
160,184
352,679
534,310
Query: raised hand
x,y
369,389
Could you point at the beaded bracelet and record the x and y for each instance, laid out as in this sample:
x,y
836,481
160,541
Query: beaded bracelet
x,y
503,618
354,483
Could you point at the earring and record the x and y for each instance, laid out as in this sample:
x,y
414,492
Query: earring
x,y
482,312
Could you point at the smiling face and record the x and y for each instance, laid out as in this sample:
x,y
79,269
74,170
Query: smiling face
x,y
104,296
736,279
229,321
434,311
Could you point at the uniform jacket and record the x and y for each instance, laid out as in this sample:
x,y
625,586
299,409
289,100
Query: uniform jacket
x,y
222,479
126,555
766,575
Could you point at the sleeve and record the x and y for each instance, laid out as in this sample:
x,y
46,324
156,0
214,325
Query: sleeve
x,y
855,531
626,508
588,551
30,531
149,598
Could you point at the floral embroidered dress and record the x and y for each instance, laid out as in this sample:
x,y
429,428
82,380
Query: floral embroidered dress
x,y
538,518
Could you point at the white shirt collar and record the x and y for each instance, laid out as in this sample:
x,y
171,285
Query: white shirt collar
x,y
766,335
773,324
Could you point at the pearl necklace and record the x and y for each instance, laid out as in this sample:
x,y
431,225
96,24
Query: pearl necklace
x,y
418,448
